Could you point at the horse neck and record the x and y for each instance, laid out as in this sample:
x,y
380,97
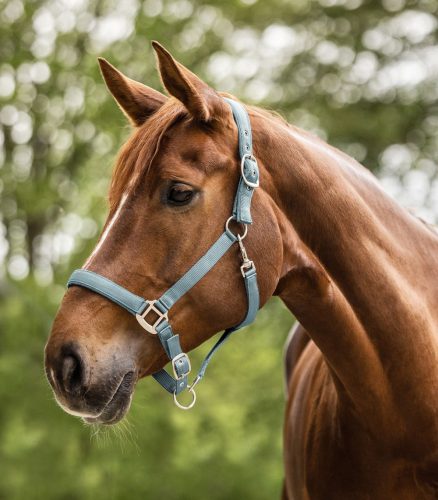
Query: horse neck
x,y
360,273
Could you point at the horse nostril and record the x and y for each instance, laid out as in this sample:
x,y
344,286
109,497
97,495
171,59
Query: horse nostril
x,y
71,374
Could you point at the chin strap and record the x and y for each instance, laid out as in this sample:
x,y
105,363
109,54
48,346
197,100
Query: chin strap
x,y
158,309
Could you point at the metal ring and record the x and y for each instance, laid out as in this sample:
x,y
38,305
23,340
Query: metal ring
x,y
190,405
141,318
251,184
228,230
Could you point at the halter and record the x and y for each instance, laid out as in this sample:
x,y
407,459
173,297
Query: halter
x,y
159,308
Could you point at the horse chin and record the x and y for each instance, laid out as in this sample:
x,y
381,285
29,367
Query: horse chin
x,y
119,404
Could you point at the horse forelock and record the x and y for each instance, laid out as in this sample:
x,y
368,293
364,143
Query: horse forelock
x,y
138,153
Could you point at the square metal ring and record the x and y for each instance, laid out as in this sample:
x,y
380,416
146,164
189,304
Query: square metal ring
x,y
141,318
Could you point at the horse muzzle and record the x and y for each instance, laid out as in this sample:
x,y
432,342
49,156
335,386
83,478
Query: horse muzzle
x,y
81,389
117,407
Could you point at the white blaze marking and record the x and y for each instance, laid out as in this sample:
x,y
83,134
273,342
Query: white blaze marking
x,y
106,232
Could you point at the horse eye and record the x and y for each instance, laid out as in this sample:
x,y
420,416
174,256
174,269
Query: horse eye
x,y
179,195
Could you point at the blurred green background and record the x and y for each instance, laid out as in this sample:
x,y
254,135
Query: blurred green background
x,y
361,74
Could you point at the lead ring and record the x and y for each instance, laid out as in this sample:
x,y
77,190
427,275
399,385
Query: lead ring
x,y
190,405
228,230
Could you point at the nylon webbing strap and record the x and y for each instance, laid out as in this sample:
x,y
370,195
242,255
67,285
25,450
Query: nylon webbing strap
x,y
112,291
249,178
180,361
198,270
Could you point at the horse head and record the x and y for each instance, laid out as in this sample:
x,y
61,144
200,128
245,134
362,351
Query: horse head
x,y
171,193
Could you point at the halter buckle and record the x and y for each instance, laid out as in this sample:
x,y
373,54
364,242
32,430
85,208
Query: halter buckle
x,y
252,184
180,358
151,327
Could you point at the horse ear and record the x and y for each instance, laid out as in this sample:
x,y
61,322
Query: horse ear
x,y
202,102
136,100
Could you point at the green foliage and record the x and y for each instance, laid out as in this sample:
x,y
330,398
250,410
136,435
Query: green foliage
x,y
361,74
159,452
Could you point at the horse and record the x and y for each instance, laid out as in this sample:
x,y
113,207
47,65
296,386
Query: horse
x,y
358,272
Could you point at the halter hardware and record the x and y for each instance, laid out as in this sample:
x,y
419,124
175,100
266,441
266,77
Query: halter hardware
x,y
246,263
245,158
228,230
151,308
178,363
142,308
192,402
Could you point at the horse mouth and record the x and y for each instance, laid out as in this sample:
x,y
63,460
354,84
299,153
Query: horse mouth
x,y
118,405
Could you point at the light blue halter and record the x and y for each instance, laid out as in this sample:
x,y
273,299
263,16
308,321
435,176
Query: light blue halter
x,y
141,308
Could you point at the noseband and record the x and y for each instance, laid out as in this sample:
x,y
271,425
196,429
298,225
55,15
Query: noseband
x,y
141,308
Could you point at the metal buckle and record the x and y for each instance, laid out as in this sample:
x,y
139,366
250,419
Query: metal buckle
x,y
242,171
182,355
141,318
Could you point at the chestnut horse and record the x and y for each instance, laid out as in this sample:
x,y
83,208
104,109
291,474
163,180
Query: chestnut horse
x,y
358,272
